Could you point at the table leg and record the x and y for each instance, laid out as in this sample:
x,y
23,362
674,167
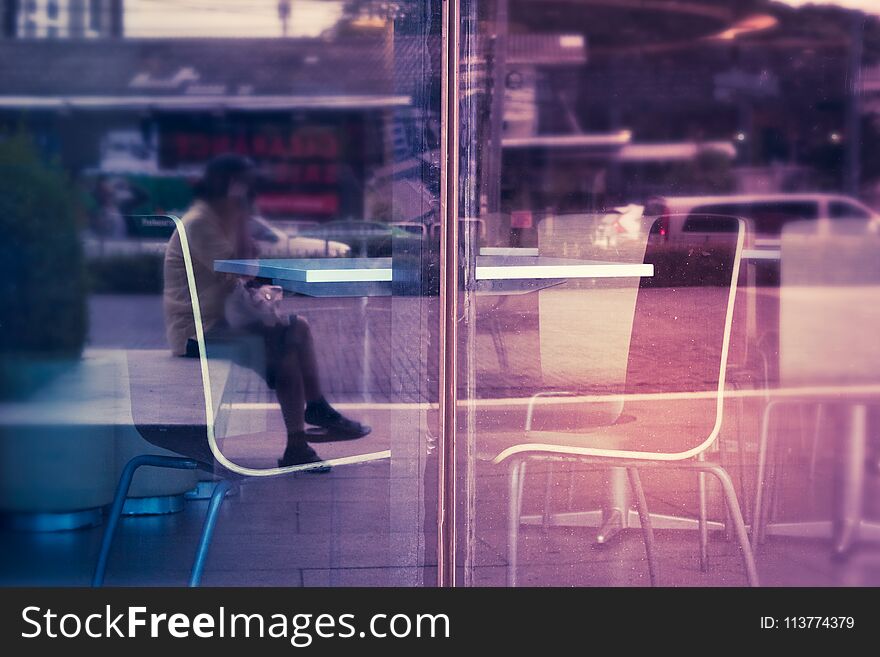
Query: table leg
x,y
852,475
848,526
704,525
616,514
751,307
365,364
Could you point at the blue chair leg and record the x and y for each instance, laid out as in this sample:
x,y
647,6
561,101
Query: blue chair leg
x,y
214,505
174,462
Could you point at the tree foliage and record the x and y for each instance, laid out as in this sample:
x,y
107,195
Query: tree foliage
x,y
42,281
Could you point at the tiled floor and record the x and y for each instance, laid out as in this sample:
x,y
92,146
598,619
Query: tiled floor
x,y
335,530
349,527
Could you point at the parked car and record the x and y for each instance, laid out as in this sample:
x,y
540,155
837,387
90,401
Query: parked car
x,y
148,234
291,226
365,238
768,213
273,242
621,224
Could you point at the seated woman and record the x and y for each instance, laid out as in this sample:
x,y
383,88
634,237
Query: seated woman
x,y
217,229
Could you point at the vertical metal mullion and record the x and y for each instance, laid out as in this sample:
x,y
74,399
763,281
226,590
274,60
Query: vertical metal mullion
x,y
498,74
449,267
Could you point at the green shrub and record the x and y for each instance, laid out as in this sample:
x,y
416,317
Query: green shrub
x,y
43,311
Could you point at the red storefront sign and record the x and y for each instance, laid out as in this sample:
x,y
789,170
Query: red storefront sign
x,y
306,166
521,219
286,204
194,147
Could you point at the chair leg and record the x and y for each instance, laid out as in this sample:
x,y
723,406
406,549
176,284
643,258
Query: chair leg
x,y
740,449
548,495
760,483
498,342
817,436
115,512
517,476
645,521
703,524
569,504
214,505
777,467
850,494
737,520
742,454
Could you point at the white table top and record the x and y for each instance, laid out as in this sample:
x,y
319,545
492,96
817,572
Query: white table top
x,y
762,254
503,268
509,251
375,270
312,270
764,250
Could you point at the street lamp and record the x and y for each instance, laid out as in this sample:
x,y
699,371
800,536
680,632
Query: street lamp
x,y
284,15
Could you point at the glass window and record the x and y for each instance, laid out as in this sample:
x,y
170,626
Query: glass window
x,y
281,169
631,137
606,256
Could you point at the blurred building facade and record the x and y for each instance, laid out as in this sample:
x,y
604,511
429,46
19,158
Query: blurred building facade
x,y
49,19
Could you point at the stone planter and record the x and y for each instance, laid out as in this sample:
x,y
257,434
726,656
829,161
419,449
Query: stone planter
x,y
62,449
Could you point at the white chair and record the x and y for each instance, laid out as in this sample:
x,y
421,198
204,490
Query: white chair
x,y
195,428
674,387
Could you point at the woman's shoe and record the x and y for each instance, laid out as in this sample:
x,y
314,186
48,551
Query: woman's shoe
x,y
303,455
336,424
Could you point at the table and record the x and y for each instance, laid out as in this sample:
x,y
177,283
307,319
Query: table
x,y
500,271
761,254
497,270
849,524
366,277
508,270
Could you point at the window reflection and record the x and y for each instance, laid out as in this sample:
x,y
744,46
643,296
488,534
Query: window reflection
x,y
597,122
604,147
110,113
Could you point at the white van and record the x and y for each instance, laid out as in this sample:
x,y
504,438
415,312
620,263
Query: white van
x,y
683,216
148,234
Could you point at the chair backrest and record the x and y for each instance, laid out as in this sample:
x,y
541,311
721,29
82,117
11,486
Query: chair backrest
x,y
829,304
216,407
165,395
244,427
584,336
653,349
226,385
681,339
